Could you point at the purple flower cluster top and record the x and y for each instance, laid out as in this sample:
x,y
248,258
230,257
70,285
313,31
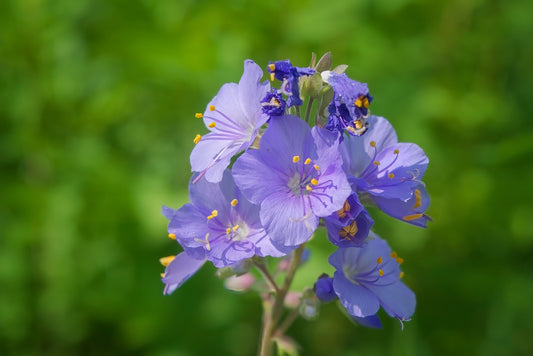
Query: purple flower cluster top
x,y
265,178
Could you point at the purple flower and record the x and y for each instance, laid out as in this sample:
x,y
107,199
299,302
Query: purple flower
x,y
295,177
349,107
369,277
219,224
233,118
178,270
273,104
324,288
349,226
289,76
387,172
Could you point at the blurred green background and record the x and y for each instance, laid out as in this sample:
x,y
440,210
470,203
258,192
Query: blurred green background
x,y
97,103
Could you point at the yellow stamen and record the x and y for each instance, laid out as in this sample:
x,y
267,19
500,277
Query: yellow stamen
x,y
211,107
234,202
172,236
165,261
402,273
396,151
379,260
314,181
349,231
372,143
342,211
362,101
214,213
235,227
380,272
399,260
197,138
358,124
418,199
308,188
295,159
376,163
272,77
391,175
272,67
198,115
393,254
211,125
307,161
316,167
228,231
162,275
412,217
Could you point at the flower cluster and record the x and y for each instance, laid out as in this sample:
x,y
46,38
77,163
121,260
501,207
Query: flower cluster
x,y
265,178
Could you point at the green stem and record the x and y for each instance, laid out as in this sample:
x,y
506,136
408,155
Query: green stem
x,y
308,110
265,348
270,280
280,297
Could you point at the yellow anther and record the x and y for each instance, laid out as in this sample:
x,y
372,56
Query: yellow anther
x,y
198,115
211,125
380,272
418,196
272,67
214,213
362,101
396,151
272,77
307,161
316,167
358,124
235,227
197,138
349,230
314,181
308,188
393,254
295,158
399,260
391,175
172,236
345,208
165,261
402,273
211,107
412,217
162,275
372,143
234,202
377,163
379,260
228,231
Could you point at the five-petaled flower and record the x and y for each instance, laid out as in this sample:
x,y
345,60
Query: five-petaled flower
x,y
220,224
368,277
295,177
234,118
387,172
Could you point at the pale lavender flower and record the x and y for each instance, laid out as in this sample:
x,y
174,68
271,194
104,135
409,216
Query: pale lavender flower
x,y
369,277
295,177
220,224
233,117
387,172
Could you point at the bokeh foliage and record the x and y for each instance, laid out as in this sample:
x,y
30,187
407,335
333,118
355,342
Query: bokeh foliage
x,y
97,103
